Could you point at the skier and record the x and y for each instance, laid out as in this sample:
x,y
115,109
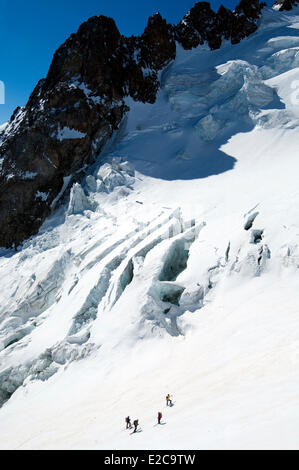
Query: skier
x,y
159,417
135,422
128,422
168,400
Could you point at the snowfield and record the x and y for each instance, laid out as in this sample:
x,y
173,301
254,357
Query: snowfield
x,y
172,268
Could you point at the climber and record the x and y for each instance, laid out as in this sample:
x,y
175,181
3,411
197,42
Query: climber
x,y
159,417
135,422
168,400
128,422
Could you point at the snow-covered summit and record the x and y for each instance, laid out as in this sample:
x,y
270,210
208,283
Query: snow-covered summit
x,y
172,268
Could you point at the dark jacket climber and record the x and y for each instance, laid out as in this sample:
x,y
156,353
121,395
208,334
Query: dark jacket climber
x,y
159,417
135,422
128,422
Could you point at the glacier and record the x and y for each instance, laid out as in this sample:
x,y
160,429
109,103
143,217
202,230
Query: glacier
x,y
171,268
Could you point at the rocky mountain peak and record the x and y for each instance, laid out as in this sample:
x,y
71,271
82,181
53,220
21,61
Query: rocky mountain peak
x,y
286,5
72,113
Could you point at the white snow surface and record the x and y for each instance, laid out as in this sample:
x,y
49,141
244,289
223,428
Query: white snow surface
x,y
3,126
172,269
67,133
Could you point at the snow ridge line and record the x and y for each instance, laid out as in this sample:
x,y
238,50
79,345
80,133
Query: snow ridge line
x,y
88,311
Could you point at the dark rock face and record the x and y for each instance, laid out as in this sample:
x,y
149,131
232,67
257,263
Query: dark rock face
x,y
73,111
71,114
203,24
246,14
197,27
286,5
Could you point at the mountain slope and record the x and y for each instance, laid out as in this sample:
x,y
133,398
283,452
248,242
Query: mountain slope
x,y
72,113
171,269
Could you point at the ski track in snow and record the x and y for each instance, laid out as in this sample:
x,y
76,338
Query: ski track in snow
x,y
173,269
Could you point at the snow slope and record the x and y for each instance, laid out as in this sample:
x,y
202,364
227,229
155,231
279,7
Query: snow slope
x,y
172,269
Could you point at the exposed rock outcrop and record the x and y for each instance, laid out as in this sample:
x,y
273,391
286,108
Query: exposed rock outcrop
x,y
202,24
286,4
74,111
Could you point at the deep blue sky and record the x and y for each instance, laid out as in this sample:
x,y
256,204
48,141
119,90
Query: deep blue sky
x,y
31,31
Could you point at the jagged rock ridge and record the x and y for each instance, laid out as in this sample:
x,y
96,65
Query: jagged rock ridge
x,y
286,5
74,111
